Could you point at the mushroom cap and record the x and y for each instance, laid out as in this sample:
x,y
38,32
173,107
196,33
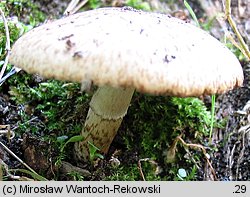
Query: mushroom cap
x,y
123,47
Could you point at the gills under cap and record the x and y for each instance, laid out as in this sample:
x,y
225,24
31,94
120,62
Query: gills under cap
x,y
123,47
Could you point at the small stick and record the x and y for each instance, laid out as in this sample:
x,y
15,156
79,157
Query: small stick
x,y
140,170
70,7
74,6
203,151
81,4
158,169
16,157
244,48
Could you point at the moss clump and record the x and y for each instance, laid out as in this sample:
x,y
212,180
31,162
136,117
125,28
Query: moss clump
x,y
153,123
131,173
138,4
14,30
156,121
26,10
61,106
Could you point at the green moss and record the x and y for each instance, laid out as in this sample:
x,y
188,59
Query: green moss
x,y
21,8
152,124
236,51
132,173
156,121
14,31
60,105
93,4
138,4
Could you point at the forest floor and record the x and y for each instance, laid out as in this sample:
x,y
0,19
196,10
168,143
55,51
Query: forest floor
x,y
230,157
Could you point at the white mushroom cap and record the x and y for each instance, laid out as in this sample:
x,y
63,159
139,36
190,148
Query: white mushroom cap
x,y
123,47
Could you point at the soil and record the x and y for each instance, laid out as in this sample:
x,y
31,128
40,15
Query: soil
x,y
231,160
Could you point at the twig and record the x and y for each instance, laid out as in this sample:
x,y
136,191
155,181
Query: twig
x,y
81,4
231,161
158,170
244,48
140,170
13,71
211,10
70,7
16,157
203,151
7,47
74,6
4,166
189,155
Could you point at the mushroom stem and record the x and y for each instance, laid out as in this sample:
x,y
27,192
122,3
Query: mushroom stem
x,y
108,106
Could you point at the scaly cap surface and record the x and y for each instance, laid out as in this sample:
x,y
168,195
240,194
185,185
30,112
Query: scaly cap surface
x,y
123,47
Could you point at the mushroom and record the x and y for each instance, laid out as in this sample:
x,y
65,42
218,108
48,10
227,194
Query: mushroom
x,y
122,50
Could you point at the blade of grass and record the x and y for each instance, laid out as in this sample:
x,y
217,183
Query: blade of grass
x,y
212,118
75,138
190,10
34,175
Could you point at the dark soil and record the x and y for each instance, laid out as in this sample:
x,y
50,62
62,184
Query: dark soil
x,y
232,161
